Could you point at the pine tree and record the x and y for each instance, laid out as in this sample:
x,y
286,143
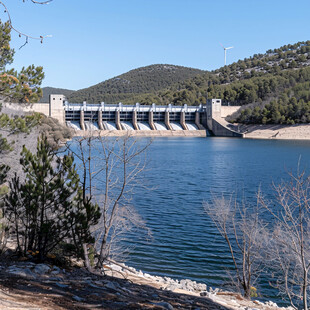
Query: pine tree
x,y
46,209
23,86
5,147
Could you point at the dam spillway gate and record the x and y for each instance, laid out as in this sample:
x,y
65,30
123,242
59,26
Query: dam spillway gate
x,y
134,117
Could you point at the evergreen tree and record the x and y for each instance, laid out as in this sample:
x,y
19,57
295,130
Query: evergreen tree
x,y
46,208
23,86
5,147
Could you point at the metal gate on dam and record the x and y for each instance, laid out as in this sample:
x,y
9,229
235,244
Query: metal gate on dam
x,y
135,117
141,119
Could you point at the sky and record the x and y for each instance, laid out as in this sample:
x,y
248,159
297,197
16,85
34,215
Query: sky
x,y
94,40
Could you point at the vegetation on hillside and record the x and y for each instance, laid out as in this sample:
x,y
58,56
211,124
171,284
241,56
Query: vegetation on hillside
x,y
47,91
286,101
126,87
274,86
273,61
282,111
256,79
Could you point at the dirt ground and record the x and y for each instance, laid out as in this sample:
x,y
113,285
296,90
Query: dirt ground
x,y
78,289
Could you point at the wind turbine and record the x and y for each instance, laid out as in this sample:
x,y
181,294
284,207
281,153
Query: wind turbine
x,y
225,49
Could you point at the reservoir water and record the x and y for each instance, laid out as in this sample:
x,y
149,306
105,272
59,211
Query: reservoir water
x,y
185,172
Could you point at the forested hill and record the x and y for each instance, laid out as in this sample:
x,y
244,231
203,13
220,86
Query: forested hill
x,y
55,91
280,77
256,79
145,80
291,56
259,78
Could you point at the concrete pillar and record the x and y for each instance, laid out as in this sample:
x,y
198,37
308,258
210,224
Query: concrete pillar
x,y
134,120
182,121
56,108
167,120
82,120
100,120
213,111
151,121
197,121
118,120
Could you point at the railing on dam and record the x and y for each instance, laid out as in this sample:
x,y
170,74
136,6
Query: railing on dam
x,y
133,117
136,107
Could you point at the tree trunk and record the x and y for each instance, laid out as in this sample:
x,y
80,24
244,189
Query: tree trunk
x,y
304,290
86,258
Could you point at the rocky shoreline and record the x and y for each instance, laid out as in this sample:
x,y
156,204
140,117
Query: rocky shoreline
x,y
26,285
277,132
186,286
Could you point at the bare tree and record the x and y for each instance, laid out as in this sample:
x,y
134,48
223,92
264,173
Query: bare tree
x,y
110,170
289,240
242,230
22,34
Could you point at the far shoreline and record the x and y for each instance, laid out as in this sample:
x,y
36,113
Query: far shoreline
x,y
277,132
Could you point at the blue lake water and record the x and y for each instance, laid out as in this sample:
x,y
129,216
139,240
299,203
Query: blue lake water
x,y
185,172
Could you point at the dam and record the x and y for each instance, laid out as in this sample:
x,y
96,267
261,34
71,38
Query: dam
x,y
135,117
138,119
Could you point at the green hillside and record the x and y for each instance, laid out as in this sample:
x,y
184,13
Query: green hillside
x,y
55,91
256,79
274,87
126,87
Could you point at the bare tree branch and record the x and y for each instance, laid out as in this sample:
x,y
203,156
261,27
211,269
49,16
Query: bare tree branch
x,y
242,231
289,239
40,2
110,170
21,34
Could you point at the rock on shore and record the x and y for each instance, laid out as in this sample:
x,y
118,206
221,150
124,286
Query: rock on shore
x,y
25,285
189,287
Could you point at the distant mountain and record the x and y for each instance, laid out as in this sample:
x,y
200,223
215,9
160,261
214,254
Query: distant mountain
x,y
55,91
126,87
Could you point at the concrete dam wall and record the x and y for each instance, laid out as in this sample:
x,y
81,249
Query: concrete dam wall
x,y
140,120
